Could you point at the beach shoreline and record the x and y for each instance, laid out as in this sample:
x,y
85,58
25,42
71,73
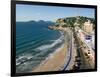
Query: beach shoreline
x,y
56,61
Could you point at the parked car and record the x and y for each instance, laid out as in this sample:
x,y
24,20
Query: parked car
x,y
88,37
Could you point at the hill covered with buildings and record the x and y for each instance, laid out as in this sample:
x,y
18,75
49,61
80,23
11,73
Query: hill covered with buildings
x,y
85,23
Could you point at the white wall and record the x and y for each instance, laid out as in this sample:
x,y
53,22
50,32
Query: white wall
x,y
5,38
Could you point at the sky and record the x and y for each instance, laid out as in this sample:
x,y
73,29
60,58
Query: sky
x,y
49,13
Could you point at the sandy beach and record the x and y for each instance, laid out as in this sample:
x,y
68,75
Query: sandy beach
x,y
55,62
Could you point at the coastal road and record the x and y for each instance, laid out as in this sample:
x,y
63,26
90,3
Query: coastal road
x,y
70,58
87,47
85,64
86,61
69,54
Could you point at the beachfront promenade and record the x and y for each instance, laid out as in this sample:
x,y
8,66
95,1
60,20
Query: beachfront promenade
x,y
72,56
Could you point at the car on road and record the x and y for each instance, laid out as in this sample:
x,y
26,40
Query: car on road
x,y
88,37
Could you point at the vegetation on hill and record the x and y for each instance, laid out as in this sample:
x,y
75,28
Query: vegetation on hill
x,y
70,21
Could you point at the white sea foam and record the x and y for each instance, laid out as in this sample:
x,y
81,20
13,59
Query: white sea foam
x,y
48,46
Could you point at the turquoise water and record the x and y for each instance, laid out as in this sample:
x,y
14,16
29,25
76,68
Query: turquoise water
x,y
34,42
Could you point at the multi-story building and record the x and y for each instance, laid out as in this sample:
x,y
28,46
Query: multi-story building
x,y
88,26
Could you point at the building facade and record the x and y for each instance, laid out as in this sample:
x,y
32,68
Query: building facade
x,y
88,27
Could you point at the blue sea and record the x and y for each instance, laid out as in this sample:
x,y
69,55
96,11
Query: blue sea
x,y
34,43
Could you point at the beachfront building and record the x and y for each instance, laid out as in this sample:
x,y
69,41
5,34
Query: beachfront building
x,y
88,27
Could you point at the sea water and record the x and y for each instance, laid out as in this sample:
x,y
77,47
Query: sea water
x,y
34,43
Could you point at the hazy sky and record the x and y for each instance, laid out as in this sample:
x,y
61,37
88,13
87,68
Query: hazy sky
x,y
37,12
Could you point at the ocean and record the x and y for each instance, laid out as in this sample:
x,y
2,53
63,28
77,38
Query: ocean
x,y
34,43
